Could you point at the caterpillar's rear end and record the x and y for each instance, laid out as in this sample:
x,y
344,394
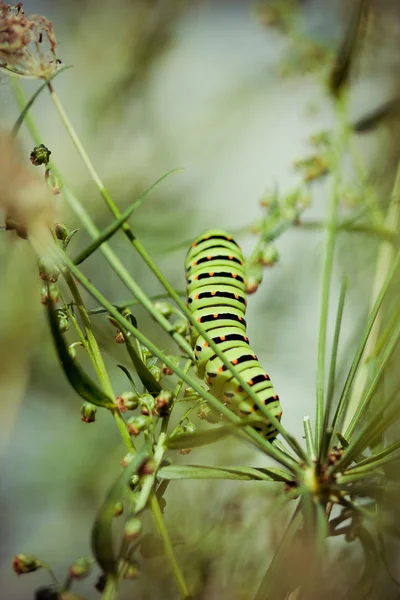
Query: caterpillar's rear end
x,y
217,299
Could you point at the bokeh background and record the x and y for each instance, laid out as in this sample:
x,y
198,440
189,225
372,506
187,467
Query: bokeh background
x,y
209,87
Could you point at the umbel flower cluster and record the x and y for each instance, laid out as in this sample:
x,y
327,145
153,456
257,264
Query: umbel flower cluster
x,y
27,43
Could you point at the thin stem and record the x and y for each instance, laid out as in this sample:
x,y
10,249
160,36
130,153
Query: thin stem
x,y
327,276
136,290
386,254
169,551
110,591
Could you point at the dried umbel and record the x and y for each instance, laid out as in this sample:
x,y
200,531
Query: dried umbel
x,y
25,199
27,43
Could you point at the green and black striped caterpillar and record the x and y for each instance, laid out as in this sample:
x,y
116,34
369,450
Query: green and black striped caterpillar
x,y
217,299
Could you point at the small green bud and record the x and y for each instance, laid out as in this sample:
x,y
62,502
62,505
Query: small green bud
x,y
148,467
88,412
254,275
25,563
118,509
269,255
181,326
131,571
189,392
61,232
132,528
164,308
167,370
127,401
137,424
189,427
72,351
133,483
55,184
62,319
81,568
148,404
156,372
145,352
127,459
163,402
40,155
47,270
49,293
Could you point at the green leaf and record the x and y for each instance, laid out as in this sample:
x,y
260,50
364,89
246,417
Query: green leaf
x,y
23,114
79,380
206,472
102,538
109,231
151,385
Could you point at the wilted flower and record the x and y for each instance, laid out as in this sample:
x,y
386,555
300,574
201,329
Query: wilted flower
x,y
27,43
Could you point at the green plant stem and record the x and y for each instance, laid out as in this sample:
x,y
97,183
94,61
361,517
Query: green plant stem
x,y
309,438
266,446
134,288
110,591
169,551
386,255
327,276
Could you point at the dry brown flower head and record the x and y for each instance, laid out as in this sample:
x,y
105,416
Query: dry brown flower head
x,y
27,43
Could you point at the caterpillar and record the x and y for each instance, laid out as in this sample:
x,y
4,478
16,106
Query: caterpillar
x,y
217,299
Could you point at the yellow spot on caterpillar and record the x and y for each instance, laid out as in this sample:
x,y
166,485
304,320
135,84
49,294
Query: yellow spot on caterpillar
x,y
213,293
222,338
215,315
235,361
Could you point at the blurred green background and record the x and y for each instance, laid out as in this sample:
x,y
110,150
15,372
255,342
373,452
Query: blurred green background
x,y
205,86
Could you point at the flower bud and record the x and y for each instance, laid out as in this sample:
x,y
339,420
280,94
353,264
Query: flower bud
x,y
40,155
118,509
81,568
167,370
131,571
269,255
127,459
147,403
47,270
61,232
189,393
62,320
145,352
54,183
163,402
189,427
164,308
180,326
88,412
253,277
132,528
25,563
137,424
49,293
127,401
156,372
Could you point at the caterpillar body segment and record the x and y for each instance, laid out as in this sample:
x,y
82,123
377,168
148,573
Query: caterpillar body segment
x,y
216,297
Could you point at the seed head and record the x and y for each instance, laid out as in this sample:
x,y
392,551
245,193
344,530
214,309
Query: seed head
x,y
27,43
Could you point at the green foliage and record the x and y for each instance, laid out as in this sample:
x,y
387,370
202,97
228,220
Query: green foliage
x,y
336,482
